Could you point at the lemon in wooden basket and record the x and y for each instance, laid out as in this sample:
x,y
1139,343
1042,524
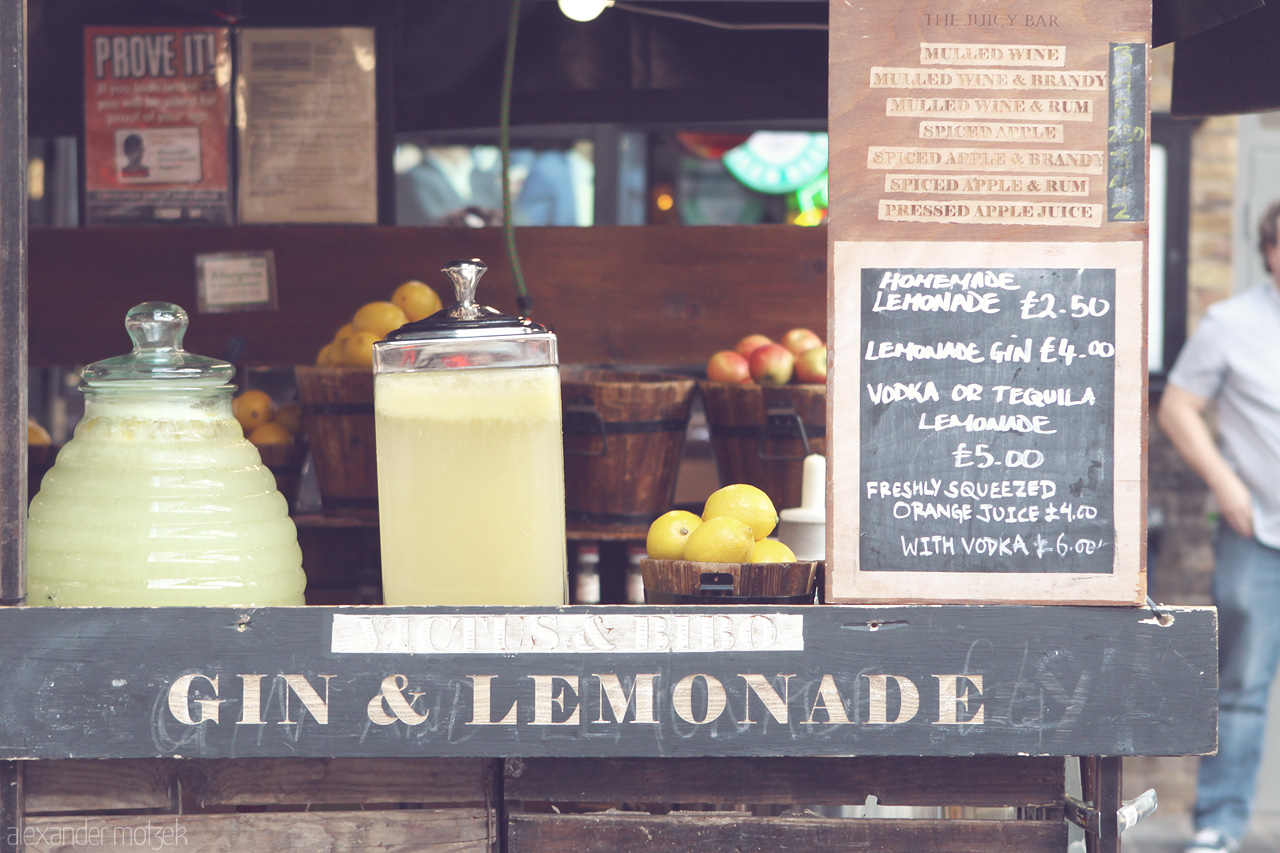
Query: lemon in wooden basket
x,y
416,300
669,533
771,551
747,504
720,540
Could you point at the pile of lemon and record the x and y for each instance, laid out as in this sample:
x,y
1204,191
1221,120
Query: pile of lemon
x,y
734,528
352,345
37,435
264,422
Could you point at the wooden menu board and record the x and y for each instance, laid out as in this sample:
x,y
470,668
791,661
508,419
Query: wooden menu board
x,y
987,302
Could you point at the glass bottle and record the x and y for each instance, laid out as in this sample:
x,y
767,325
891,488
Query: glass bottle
x,y
158,498
470,455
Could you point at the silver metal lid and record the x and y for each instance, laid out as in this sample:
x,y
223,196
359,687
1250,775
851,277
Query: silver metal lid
x,y
465,318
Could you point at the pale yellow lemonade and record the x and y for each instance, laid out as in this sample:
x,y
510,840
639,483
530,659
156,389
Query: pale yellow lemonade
x,y
174,508
471,486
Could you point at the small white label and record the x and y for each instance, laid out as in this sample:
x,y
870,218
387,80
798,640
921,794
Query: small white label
x,y
566,633
236,281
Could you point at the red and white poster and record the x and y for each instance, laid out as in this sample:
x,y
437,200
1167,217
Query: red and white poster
x,y
157,125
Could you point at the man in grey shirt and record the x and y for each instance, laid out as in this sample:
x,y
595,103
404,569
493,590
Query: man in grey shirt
x,y
1233,361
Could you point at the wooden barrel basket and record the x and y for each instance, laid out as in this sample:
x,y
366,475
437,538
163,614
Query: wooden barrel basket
x,y
40,458
761,434
623,439
687,582
337,405
284,461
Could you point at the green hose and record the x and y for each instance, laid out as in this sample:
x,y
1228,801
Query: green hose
x,y
504,145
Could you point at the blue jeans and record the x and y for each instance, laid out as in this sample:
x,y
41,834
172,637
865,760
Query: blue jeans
x,y
1246,591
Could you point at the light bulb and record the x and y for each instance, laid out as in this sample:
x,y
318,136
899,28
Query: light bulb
x,y
584,10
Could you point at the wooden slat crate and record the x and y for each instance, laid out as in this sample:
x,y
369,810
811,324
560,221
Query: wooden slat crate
x,y
637,791
250,805
433,805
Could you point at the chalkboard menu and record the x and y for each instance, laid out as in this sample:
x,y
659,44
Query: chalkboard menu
x,y
985,427
987,419
986,385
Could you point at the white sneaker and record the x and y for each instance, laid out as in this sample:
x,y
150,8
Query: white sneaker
x,y
1212,841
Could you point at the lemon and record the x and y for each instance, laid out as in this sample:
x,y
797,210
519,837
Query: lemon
x,y
252,409
747,504
378,318
357,350
271,433
720,540
668,533
416,300
771,551
328,355
38,436
289,416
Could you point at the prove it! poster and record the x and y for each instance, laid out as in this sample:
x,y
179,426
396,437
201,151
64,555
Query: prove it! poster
x,y
157,125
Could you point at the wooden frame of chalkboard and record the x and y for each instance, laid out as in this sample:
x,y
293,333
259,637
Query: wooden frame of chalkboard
x,y
986,420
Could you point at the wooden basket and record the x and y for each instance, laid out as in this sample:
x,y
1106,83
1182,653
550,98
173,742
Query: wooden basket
x,y
40,458
285,462
623,439
337,404
761,434
688,582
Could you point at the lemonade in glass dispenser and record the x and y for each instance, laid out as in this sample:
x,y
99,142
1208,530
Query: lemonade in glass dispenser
x,y
158,498
470,457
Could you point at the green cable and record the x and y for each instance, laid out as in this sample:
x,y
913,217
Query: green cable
x,y
504,145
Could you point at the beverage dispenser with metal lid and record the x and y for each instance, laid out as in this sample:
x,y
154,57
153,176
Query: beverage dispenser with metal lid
x,y
158,498
470,457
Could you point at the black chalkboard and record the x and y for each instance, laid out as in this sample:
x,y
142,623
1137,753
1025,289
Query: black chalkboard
x,y
988,420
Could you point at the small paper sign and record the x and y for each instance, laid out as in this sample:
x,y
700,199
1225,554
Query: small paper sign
x,y
236,281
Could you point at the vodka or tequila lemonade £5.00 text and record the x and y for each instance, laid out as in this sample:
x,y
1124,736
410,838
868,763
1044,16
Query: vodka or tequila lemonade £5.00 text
x,y
471,486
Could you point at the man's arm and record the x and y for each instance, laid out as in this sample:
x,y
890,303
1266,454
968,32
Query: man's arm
x,y
1181,417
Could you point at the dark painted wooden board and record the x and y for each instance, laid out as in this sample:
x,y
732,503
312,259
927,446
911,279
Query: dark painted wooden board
x,y
713,833
220,683
978,781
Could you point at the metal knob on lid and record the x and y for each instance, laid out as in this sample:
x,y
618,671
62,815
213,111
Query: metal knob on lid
x,y
466,334
466,277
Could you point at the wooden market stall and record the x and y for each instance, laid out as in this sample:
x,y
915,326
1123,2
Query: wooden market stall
x,y
610,727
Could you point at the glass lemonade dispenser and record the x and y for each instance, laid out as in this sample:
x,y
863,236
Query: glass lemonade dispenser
x,y
470,457
158,498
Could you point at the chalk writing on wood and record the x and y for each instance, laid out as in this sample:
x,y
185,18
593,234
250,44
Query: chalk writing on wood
x,y
987,419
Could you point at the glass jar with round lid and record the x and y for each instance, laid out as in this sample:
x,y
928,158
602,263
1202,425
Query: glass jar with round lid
x,y
470,449
158,498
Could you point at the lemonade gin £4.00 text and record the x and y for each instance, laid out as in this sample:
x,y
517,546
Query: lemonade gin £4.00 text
x,y
470,458
158,498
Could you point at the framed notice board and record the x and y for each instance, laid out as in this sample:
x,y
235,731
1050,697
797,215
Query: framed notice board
x,y
987,303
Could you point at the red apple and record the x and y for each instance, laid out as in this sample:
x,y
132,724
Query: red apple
x,y
750,344
799,340
772,364
728,366
811,366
